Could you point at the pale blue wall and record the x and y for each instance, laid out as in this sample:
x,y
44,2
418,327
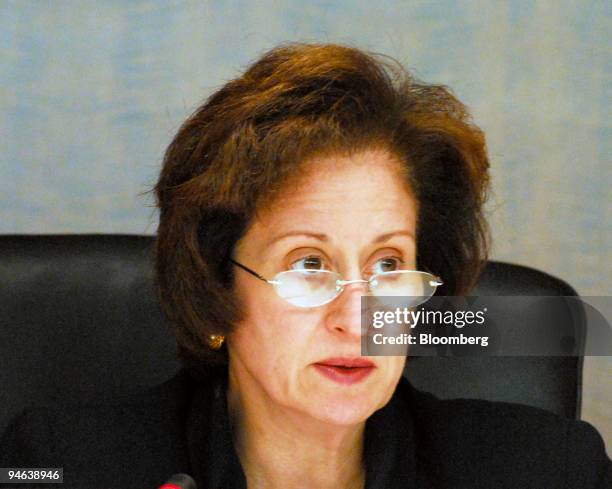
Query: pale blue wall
x,y
91,93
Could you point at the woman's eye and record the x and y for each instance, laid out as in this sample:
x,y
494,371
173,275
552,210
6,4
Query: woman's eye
x,y
387,264
308,263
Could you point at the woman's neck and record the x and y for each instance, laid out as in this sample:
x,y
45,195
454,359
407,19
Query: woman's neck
x,y
283,448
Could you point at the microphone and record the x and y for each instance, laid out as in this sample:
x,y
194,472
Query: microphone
x,y
179,481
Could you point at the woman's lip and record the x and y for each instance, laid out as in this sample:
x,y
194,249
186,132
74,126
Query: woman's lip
x,y
346,362
344,375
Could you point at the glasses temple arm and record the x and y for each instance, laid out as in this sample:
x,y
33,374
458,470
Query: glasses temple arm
x,y
247,269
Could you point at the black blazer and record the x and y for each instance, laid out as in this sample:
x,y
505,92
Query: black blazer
x,y
415,441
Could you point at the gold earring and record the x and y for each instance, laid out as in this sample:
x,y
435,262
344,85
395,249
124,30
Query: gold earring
x,y
215,341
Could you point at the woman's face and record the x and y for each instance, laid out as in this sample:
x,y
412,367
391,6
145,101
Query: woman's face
x,y
352,215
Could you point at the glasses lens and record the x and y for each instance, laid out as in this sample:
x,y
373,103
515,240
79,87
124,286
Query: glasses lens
x,y
306,288
413,287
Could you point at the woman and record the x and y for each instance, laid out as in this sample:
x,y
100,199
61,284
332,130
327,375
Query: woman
x,y
312,180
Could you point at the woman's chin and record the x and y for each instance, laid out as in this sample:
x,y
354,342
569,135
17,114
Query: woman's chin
x,y
343,403
345,413
337,409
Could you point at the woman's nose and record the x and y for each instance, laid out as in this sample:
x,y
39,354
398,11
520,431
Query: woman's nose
x,y
344,313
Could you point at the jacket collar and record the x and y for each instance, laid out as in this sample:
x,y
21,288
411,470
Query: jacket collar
x,y
389,440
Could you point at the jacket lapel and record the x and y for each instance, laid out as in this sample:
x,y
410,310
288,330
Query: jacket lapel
x,y
390,445
214,462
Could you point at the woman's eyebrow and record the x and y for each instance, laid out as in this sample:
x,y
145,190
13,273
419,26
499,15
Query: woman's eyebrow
x,y
288,234
325,238
387,236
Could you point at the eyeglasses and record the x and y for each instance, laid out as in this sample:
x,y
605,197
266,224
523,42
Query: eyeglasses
x,y
313,288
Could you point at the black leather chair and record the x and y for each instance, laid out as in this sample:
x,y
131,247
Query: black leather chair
x,y
80,321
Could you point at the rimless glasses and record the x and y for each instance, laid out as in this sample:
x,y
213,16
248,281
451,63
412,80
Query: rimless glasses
x,y
313,288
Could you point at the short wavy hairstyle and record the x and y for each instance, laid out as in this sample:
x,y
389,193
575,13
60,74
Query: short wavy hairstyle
x,y
297,102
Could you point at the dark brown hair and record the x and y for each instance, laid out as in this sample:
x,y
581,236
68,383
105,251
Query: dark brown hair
x,y
298,101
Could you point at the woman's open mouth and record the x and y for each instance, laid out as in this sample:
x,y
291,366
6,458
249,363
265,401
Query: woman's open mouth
x,y
345,371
